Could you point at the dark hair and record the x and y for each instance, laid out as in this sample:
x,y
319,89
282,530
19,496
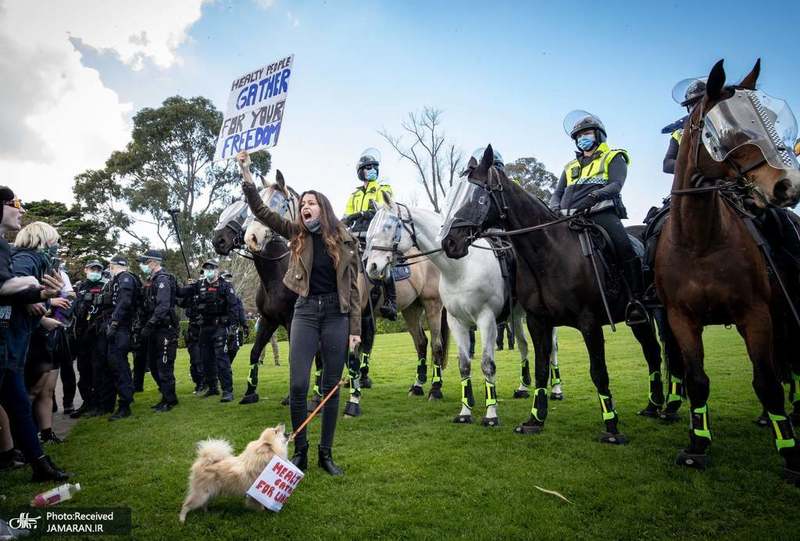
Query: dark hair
x,y
330,227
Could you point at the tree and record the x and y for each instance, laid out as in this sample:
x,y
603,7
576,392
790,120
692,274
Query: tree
x,y
167,165
82,238
531,174
437,161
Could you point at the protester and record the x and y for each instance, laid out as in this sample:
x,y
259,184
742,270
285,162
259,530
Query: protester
x,y
323,271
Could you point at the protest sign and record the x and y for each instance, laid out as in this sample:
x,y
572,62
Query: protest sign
x,y
275,484
255,109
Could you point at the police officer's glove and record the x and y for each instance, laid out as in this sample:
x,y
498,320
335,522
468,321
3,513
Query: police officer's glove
x,y
586,203
112,329
368,214
349,219
147,331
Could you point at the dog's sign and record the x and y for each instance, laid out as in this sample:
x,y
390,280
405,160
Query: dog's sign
x,y
275,484
255,109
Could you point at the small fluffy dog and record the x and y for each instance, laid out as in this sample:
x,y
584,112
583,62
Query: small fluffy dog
x,y
217,471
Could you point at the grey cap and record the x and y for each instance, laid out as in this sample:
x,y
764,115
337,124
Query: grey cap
x,y
213,263
120,260
93,263
155,255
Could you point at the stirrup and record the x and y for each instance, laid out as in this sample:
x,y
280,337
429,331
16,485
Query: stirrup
x,y
632,318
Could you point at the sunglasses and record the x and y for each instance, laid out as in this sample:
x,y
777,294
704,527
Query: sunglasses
x,y
16,203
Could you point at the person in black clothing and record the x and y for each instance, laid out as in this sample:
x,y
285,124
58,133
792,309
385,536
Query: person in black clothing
x,y
238,330
214,304
506,327
323,270
160,330
138,344
124,291
191,338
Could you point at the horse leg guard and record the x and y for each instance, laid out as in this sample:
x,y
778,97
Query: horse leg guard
x,y
699,440
524,380
787,446
467,402
491,406
535,422
794,398
555,383
250,395
612,434
353,407
655,398
366,382
674,400
422,376
436,384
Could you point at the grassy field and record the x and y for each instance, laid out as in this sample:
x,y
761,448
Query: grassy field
x,y
411,473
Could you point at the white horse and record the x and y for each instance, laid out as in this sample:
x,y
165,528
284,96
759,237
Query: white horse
x,y
472,290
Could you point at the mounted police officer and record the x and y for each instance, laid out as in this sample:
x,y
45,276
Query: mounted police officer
x,y
86,331
125,289
690,92
238,330
591,183
160,330
359,211
192,339
214,304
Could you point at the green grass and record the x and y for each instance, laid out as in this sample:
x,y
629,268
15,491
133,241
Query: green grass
x,y
411,473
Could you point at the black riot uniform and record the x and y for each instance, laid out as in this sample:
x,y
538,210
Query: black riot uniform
x,y
125,290
160,332
192,339
238,329
87,329
214,303
139,344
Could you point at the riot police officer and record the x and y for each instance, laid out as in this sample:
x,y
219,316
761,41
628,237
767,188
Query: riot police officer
x,y
138,345
238,331
125,289
160,331
191,338
86,332
215,303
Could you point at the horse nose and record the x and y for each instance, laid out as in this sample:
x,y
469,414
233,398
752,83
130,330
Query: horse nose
x,y
787,190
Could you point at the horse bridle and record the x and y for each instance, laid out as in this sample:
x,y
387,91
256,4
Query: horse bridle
x,y
400,259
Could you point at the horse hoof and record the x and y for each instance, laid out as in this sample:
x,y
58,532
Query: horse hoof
x,y
366,382
669,416
314,402
762,421
791,476
528,427
613,439
650,411
490,421
462,419
556,396
522,393
690,460
249,399
435,394
416,390
352,409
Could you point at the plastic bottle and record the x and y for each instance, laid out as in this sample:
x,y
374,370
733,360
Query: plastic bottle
x,y
56,495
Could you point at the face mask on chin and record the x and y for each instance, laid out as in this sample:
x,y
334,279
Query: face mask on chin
x,y
313,225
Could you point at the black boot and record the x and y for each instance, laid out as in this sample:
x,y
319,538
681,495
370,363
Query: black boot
x,y
635,313
212,391
78,413
45,470
48,436
389,308
121,413
300,457
326,462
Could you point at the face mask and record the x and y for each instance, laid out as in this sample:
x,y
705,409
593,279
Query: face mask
x,y
209,275
313,225
585,142
371,174
144,268
94,276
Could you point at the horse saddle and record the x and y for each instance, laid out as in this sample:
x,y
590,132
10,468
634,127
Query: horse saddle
x,y
402,272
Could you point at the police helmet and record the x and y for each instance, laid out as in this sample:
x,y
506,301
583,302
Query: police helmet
x,y
578,121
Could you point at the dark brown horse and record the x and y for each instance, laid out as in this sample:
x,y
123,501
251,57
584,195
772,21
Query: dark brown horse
x,y
555,284
709,269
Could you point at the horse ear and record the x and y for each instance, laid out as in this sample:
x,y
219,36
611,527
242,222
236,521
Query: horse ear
x,y
264,181
387,199
716,81
749,81
487,160
280,181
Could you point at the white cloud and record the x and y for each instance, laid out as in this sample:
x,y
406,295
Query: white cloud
x,y
294,22
56,116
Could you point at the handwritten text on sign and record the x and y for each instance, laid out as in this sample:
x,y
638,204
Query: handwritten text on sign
x,y
255,109
275,484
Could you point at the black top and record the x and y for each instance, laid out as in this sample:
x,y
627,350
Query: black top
x,y
671,156
323,273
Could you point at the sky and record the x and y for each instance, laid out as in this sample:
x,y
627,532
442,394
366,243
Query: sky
x,y
75,72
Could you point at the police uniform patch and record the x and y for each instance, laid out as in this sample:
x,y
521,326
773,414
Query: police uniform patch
x,y
161,285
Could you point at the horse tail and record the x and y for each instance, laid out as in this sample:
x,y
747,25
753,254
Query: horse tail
x,y
445,334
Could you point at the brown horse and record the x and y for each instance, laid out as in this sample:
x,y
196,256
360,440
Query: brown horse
x,y
710,270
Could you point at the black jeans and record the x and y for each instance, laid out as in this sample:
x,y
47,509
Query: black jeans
x,y
14,399
118,367
214,351
162,346
608,220
317,324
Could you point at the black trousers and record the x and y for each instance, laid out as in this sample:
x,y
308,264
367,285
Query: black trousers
x,y
104,396
85,370
214,350
161,350
608,220
195,356
117,362
140,364
317,324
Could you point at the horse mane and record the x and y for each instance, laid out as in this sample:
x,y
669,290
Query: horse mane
x,y
495,171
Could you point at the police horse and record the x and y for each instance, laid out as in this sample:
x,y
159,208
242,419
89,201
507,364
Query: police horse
x,y
473,290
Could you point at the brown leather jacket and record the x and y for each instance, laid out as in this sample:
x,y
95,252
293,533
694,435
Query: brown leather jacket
x,y
297,276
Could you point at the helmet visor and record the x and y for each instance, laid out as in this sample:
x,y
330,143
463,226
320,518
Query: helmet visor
x,y
688,90
752,117
370,155
384,230
461,195
579,120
